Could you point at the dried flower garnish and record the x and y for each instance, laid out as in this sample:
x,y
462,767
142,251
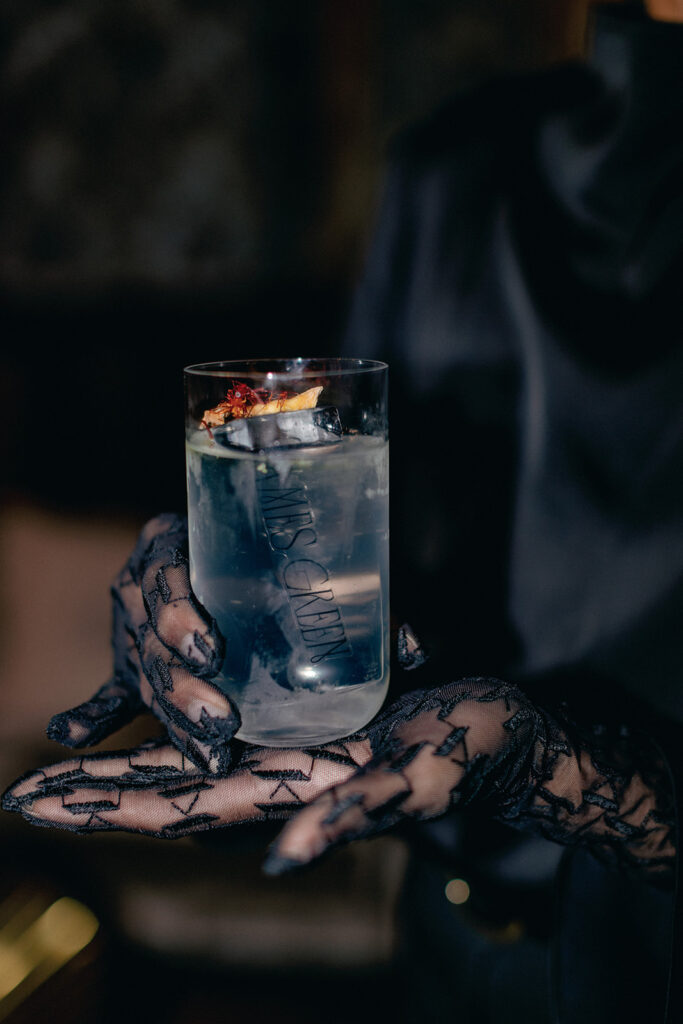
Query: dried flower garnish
x,y
242,401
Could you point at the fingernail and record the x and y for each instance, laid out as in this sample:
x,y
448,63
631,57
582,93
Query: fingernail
x,y
275,864
196,707
411,654
194,649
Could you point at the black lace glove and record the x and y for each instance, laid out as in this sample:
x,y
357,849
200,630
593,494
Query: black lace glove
x,y
474,740
166,647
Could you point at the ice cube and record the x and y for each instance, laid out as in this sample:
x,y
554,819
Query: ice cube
x,y
304,428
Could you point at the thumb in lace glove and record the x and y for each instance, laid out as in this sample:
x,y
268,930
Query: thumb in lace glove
x,y
166,648
476,739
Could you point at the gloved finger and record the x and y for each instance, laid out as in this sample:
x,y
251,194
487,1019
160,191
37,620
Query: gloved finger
x,y
154,790
426,747
369,802
411,653
75,794
155,759
418,777
158,571
179,620
109,709
122,698
162,548
112,706
200,719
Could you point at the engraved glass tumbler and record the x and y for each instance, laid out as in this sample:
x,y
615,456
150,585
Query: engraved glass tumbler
x,y
288,510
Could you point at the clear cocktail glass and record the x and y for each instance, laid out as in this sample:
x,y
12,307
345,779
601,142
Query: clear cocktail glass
x,y
288,514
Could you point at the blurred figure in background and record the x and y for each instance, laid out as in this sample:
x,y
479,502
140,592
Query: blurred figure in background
x,y
522,286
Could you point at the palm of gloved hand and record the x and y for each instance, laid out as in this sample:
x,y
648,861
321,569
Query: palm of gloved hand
x,y
428,751
474,739
166,648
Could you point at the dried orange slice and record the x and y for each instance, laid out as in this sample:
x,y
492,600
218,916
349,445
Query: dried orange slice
x,y
242,401
306,400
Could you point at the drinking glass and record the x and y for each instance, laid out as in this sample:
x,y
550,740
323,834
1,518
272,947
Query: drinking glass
x,y
289,539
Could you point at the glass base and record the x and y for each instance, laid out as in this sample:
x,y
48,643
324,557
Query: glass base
x,y
311,719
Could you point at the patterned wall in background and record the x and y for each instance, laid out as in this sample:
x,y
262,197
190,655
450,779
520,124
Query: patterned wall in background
x,y
194,143
128,144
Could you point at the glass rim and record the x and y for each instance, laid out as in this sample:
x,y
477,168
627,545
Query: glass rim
x,y
329,366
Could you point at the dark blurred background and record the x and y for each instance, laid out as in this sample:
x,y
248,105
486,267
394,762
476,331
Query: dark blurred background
x,y
185,181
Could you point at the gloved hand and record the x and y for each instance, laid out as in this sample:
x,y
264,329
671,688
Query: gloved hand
x,y
473,740
166,648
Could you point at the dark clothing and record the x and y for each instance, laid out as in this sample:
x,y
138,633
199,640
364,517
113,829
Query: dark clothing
x,y
524,286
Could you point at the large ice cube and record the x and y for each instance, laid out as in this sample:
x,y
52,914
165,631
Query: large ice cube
x,y
304,428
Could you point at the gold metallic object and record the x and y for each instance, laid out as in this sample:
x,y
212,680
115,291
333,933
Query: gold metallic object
x,y
36,941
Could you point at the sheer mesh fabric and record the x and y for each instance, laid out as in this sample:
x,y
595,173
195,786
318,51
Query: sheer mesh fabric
x,y
483,740
155,789
473,740
165,647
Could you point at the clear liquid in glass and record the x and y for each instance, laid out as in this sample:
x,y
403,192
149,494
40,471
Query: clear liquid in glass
x,y
289,553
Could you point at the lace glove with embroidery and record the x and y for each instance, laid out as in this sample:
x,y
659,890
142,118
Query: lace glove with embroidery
x,y
473,740
166,647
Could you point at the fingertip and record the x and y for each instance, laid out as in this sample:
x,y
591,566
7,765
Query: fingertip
x,y
276,864
299,843
411,653
9,801
73,733
209,718
63,730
